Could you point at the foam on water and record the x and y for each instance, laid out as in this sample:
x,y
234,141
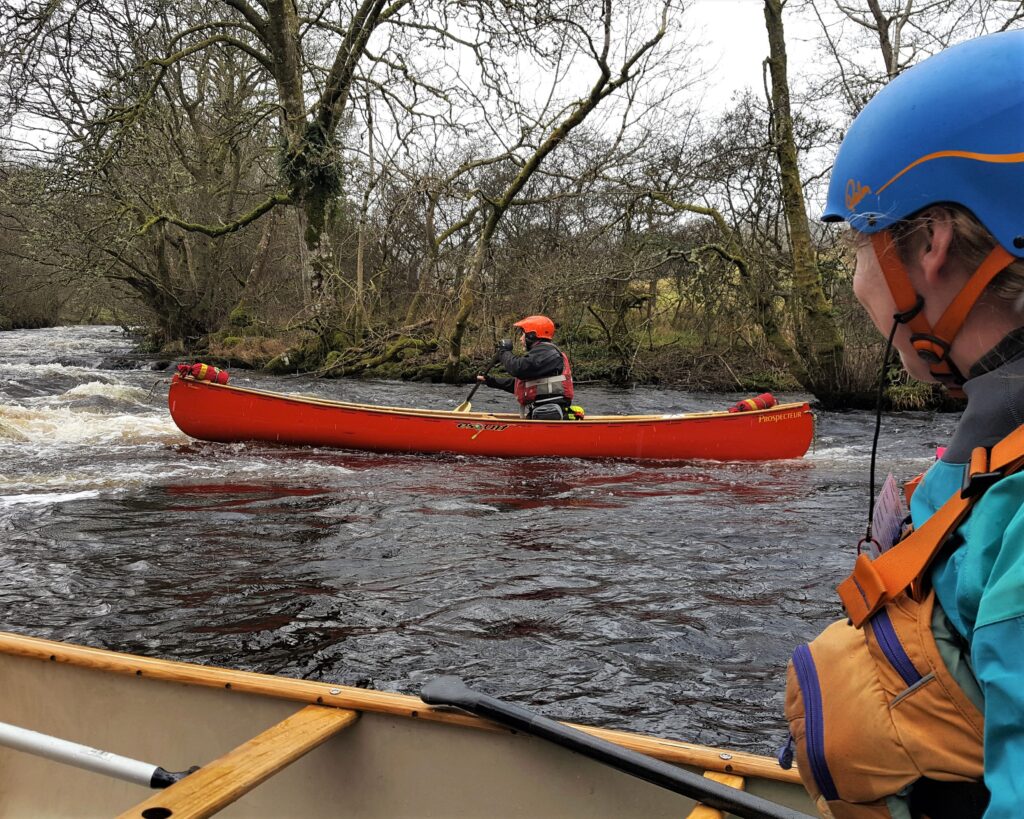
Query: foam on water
x,y
106,389
63,425
45,498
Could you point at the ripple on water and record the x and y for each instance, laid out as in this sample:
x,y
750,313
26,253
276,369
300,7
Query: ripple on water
x,y
658,597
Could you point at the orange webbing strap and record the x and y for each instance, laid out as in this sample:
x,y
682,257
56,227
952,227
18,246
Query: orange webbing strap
x,y
903,293
953,318
934,343
874,583
909,303
910,487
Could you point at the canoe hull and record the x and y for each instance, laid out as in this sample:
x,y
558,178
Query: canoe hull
x,y
228,414
389,763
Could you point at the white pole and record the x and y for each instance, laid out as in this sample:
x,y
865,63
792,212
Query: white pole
x,y
81,756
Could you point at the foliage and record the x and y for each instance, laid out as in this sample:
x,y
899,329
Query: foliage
x,y
332,173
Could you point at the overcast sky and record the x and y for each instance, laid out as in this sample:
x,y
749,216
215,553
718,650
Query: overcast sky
x,y
738,42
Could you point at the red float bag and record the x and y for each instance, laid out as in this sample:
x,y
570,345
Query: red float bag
x,y
203,372
763,401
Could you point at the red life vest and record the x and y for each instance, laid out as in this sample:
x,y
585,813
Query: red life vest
x,y
528,391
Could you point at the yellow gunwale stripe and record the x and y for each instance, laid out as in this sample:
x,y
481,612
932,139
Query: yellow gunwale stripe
x,y
494,417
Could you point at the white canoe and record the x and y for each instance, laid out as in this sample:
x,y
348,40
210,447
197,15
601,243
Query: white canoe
x,y
277,747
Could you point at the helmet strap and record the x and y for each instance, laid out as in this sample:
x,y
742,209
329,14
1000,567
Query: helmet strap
x,y
933,345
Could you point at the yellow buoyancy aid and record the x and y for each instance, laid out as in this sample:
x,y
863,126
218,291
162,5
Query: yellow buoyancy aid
x,y
871,703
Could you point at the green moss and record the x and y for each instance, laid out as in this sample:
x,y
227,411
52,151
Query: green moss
x,y
430,372
333,357
242,317
280,365
766,382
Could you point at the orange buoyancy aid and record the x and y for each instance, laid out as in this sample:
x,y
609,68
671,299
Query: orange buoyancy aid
x,y
871,704
528,391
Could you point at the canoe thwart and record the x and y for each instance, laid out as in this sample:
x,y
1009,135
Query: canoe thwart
x,y
216,785
704,811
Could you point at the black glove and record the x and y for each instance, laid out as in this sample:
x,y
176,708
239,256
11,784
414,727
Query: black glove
x,y
505,344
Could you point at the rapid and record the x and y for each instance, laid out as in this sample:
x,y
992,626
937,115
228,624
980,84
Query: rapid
x,y
658,598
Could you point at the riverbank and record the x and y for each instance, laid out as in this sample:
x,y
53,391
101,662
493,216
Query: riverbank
x,y
676,364
418,355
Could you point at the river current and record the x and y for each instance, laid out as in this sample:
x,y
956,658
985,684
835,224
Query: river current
x,y
658,598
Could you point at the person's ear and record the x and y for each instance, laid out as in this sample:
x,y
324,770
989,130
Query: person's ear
x,y
938,236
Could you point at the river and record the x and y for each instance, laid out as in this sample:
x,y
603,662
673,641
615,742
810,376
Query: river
x,y
658,598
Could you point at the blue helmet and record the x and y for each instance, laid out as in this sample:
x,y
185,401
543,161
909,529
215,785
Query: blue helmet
x,y
948,130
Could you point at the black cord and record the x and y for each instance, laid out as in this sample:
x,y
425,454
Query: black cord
x,y
897,320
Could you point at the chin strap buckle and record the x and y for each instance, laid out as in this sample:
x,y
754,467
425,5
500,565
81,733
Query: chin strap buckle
x,y
977,475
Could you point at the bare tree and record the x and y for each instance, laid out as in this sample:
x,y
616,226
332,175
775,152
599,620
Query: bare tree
x,y
899,33
598,45
91,71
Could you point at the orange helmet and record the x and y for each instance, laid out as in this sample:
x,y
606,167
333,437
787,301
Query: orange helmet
x,y
540,326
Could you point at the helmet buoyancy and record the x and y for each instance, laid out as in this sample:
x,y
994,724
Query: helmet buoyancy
x,y
540,326
949,130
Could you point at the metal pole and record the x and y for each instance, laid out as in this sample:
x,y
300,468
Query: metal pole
x,y
82,756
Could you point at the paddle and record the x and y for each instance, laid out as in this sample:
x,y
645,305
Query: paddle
x,y
465,406
453,691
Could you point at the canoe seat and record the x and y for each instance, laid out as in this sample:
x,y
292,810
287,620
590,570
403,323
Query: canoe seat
x,y
703,811
219,783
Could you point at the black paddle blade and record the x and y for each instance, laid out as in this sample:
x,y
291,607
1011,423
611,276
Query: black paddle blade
x,y
452,690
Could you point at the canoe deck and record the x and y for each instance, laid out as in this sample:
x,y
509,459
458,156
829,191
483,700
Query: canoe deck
x,y
230,414
278,747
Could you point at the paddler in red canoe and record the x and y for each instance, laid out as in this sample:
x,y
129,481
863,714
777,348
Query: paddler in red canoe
x,y
542,378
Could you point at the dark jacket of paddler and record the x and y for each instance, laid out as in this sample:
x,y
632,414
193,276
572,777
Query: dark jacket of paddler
x,y
542,360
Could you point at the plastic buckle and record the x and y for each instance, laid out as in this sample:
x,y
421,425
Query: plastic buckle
x,y
977,477
863,592
978,484
931,348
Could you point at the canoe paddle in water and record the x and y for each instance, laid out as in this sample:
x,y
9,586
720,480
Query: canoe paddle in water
x,y
453,691
465,406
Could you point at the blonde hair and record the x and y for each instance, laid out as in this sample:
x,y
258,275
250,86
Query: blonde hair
x,y
971,244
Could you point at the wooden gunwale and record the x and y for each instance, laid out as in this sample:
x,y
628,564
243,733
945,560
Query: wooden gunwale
x,y
504,417
359,699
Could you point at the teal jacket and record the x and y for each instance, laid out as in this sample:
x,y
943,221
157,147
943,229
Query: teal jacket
x,y
980,583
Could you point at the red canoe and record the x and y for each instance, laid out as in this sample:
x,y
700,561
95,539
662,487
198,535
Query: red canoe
x,y
224,413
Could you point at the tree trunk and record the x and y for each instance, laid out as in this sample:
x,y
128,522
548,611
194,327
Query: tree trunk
x,y
817,336
765,312
467,298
